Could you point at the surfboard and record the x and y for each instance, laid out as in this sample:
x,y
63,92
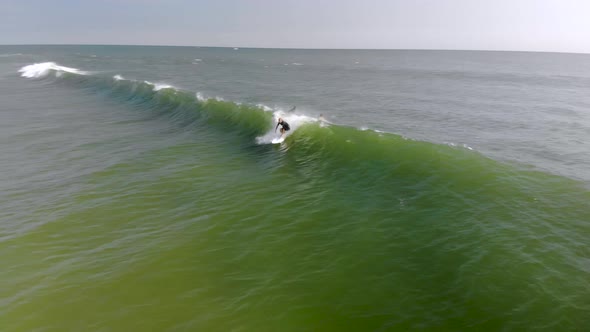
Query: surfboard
x,y
278,140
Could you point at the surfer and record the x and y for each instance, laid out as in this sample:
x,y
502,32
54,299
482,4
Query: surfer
x,y
284,126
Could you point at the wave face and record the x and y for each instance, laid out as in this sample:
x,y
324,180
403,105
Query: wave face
x,y
187,217
253,119
247,119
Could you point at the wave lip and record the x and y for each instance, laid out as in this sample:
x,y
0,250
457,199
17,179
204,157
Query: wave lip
x,y
160,86
10,55
43,69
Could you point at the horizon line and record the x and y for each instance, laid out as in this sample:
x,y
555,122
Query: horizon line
x,y
307,48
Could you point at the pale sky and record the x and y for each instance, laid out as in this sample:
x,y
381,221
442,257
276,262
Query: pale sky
x,y
524,25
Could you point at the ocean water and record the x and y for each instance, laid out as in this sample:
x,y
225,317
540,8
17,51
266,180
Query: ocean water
x,y
446,190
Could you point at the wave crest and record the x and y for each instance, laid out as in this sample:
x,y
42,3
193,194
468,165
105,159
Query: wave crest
x,y
39,70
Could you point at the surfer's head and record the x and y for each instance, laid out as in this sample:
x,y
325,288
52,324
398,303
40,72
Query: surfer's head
x,y
280,120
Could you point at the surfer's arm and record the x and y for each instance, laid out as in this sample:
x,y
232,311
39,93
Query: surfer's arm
x,y
277,127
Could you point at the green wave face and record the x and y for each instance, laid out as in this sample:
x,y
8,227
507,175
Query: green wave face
x,y
246,119
336,229
450,229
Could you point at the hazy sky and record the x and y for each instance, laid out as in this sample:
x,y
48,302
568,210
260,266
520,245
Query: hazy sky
x,y
530,25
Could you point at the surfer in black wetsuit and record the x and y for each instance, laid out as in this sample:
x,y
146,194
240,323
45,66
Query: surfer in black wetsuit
x,y
284,126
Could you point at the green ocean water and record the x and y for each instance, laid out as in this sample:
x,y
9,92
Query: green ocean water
x,y
128,206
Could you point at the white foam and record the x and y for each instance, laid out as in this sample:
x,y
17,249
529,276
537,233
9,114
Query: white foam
x,y
39,70
297,64
203,98
118,78
264,107
455,145
200,97
293,119
160,86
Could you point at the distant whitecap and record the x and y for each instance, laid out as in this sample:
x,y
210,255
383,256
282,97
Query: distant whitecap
x,y
43,69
